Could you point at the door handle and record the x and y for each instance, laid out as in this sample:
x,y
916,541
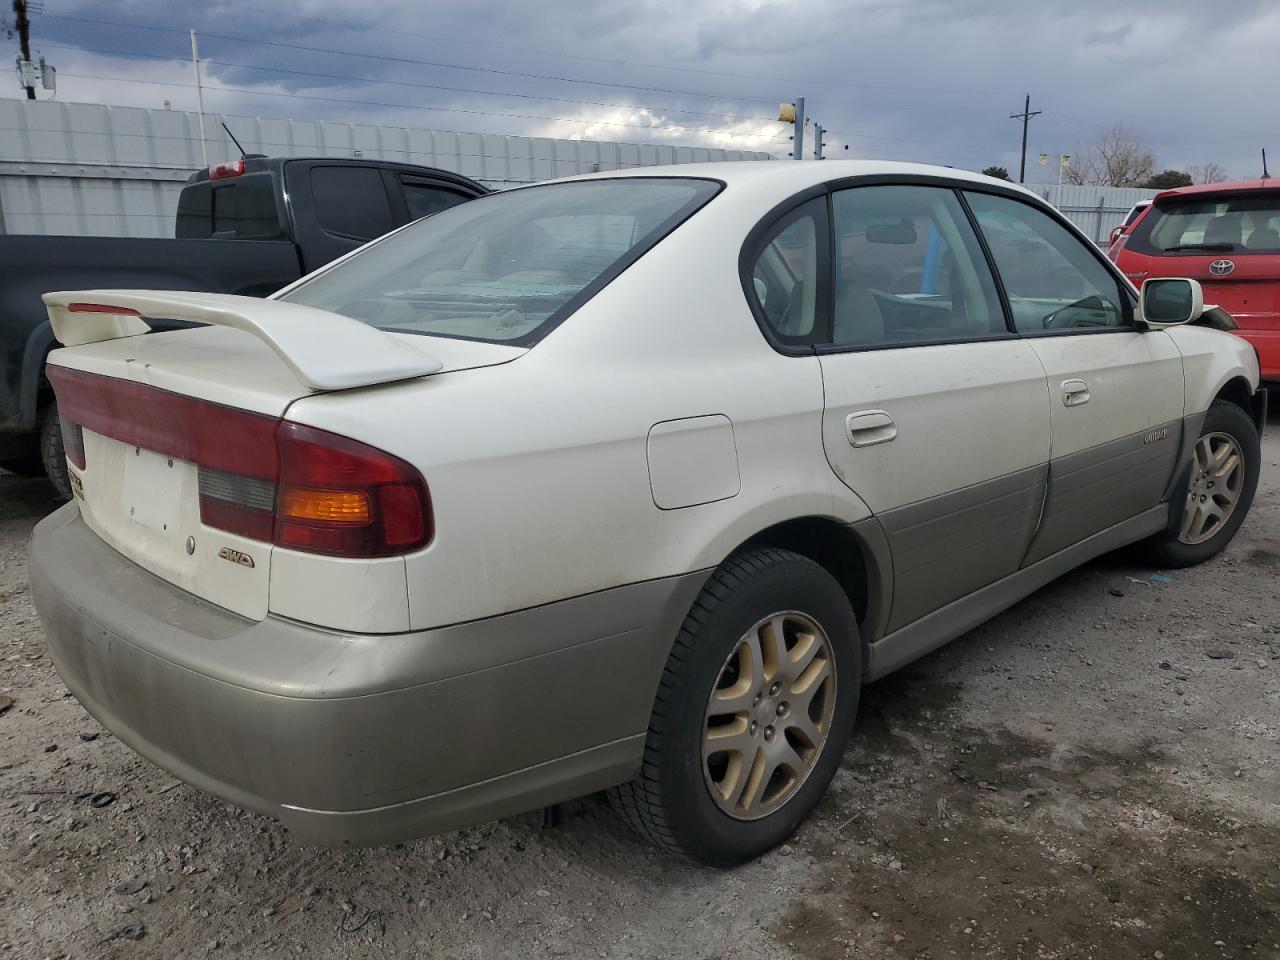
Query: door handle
x,y
866,428
1074,393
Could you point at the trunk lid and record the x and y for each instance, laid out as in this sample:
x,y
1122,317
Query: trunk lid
x,y
168,424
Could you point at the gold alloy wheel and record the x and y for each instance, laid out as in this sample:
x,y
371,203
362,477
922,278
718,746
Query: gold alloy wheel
x,y
1217,478
769,715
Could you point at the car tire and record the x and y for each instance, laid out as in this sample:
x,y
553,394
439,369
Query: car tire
x,y
29,464
692,798
52,454
1223,472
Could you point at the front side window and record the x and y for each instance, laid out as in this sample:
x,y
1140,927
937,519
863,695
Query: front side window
x,y
909,269
784,274
506,267
1203,226
1054,282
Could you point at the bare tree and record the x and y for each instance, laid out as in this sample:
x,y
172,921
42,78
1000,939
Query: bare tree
x,y
1119,157
1209,173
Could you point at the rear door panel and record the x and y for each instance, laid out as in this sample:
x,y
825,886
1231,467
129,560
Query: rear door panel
x,y
959,488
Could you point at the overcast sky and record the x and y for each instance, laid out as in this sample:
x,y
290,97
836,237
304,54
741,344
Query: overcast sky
x,y
926,80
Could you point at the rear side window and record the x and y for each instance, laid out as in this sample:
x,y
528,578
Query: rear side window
x,y
1198,226
1054,282
351,201
239,209
784,275
507,267
425,199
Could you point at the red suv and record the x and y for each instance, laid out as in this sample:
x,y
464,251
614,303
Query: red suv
x,y
1227,236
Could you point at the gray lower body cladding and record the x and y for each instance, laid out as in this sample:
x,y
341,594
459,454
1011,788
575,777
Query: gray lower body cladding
x,y
948,546
355,738
1097,488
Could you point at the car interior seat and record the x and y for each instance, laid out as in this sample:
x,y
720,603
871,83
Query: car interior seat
x,y
1223,229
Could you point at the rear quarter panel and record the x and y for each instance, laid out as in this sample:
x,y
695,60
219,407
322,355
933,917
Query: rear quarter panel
x,y
538,472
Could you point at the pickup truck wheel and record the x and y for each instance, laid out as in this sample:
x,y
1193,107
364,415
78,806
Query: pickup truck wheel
x,y
753,712
1217,489
29,464
52,454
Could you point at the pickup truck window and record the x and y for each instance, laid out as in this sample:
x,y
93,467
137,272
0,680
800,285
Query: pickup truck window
x,y
508,267
351,201
240,209
424,199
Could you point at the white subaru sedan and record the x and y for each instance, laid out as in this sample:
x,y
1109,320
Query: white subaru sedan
x,y
626,482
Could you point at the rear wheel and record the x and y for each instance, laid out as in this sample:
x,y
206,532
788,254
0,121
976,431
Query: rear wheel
x,y
753,712
52,454
1217,489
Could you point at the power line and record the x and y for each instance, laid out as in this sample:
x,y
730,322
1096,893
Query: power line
x,y
129,55
720,131
612,61
413,60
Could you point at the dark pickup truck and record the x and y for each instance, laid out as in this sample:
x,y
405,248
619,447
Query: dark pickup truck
x,y
250,227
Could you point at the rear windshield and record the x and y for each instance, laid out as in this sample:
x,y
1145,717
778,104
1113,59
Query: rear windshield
x,y
1198,226
507,267
239,209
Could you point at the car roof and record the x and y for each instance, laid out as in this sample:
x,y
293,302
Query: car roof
x,y
1231,186
797,175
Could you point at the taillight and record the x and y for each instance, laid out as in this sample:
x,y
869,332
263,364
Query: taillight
x,y
1113,252
223,171
259,477
72,441
324,494
342,497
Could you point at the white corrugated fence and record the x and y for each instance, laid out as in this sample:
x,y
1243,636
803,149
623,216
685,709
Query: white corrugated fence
x,y
90,170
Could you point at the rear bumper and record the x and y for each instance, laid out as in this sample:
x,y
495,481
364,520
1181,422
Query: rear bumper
x,y
357,739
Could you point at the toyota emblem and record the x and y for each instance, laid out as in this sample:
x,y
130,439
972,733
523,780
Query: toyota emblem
x,y
1220,268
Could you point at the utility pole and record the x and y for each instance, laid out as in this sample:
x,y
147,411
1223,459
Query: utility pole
x,y
818,131
195,62
793,113
1025,116
24,44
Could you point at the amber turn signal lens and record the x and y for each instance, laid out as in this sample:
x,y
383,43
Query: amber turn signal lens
x,y
323,506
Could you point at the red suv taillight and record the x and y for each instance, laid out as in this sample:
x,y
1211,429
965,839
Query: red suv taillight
x,y
1113,252
259,477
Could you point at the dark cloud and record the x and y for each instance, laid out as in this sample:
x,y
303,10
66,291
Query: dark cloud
x,y
930,80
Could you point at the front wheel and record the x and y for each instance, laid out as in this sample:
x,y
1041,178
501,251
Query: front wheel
x,y
753,712
1217,490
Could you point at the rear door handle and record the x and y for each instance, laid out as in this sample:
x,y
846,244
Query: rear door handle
x,y
1074,393
866,428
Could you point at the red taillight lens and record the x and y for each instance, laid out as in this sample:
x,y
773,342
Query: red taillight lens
x,y
221,171
296,486
345,498
72,440
1113,252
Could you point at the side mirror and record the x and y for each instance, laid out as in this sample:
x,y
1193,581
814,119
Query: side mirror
x,y
1170,301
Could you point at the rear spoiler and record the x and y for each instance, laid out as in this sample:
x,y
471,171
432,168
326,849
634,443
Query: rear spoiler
x,y
325,351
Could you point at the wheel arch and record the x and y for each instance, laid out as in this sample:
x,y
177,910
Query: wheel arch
x,y
855,554
1237,390
32,385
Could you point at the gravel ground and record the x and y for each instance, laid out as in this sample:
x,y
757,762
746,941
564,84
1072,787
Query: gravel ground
x,y
1094,774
